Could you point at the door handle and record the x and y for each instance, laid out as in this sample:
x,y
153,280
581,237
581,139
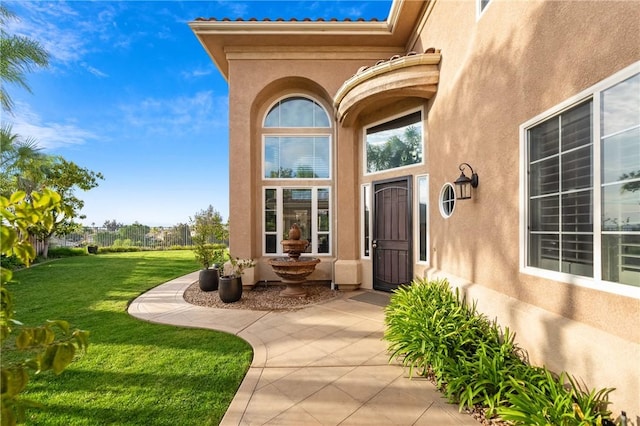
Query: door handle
x,y
374,244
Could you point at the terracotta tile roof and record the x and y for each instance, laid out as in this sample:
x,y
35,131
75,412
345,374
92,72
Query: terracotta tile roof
x,y
394,57
201,19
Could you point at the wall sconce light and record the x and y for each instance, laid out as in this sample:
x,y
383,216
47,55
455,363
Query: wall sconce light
x,y
464,184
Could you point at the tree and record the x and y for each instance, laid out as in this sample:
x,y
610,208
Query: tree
x,y
207,229
112,225
50,346
209,222
179,235
136,233
396,151
632,186
18,55
16,155
64,177
104,238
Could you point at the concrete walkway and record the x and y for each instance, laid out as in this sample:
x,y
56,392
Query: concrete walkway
x,y
322,365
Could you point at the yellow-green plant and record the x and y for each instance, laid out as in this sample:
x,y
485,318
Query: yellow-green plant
x,y
208,228
475,362
50,346
238,265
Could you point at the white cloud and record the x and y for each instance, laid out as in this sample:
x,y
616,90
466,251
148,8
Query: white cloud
x,y
198,72
49,136
94,70
177,116
68,39
235,8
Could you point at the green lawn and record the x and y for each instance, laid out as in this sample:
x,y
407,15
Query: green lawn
x,y
135,373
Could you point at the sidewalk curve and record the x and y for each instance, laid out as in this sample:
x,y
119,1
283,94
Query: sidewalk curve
x,y
325,364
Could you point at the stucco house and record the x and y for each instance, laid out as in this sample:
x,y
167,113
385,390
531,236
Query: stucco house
x,y
358,131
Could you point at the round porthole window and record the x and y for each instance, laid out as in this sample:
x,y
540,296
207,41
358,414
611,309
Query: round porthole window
x,y
447,200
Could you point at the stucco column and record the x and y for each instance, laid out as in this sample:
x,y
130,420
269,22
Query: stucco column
x,y
347,274
242,204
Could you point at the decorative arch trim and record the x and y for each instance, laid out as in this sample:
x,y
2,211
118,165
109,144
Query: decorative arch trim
x,y
413,75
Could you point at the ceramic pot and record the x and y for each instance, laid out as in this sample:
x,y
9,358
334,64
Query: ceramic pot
x,y
230,289
208,279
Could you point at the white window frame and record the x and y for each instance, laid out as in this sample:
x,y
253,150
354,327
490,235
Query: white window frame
x,y
480,10
427,261
365,199
314,219
310,135
317,132
387,119
455,200
595,282
295,95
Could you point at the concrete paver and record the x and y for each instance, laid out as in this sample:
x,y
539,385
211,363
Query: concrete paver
x,y
325,364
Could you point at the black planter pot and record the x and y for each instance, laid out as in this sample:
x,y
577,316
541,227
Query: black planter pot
x,y
208,279
230,289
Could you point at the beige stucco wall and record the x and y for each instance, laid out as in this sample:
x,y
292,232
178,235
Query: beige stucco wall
x,y
257,79
518,60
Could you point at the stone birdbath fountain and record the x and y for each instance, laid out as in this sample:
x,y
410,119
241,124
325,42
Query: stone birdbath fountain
x,y
294,270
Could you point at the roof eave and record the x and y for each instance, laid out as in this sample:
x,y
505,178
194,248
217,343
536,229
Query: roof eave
x,y
227,33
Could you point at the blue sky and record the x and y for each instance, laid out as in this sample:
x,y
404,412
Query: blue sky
x,y
131,93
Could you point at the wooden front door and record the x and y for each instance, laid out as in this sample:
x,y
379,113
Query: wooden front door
x,y
392,258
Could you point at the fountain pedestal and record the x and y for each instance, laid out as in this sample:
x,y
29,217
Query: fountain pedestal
x,y
294,270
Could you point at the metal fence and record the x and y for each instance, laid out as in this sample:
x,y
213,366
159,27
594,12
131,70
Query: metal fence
x,y
127,236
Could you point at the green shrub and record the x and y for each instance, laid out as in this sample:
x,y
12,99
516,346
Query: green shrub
x,y
57,252
475,363
11,262
119,249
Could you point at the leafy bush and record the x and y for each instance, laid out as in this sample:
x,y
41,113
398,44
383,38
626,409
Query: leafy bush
x,y
51,346
56,252
474,362
11,262
120,249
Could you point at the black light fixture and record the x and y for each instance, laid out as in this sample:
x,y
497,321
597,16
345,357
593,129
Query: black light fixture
x,y
464,184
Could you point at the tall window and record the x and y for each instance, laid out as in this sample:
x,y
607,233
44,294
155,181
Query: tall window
x,y
310,208
423,210
297,145
561,192
395,143
365,195
297,140
583,163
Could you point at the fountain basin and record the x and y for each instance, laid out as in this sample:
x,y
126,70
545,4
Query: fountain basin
x,y
293,273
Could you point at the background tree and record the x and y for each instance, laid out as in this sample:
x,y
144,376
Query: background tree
x,y
179,235
396,151
632,186
18,55
64,177
112,225
209,222
16,154
104,238
136,233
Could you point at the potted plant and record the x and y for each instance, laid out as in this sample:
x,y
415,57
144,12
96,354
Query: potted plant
x,y
207,226
230,285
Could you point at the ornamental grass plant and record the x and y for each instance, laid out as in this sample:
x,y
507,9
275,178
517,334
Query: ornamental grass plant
x,y
476,363
134,372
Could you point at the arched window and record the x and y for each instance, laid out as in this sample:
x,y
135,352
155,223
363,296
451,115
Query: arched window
x,y
296,136
297,140
297,111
